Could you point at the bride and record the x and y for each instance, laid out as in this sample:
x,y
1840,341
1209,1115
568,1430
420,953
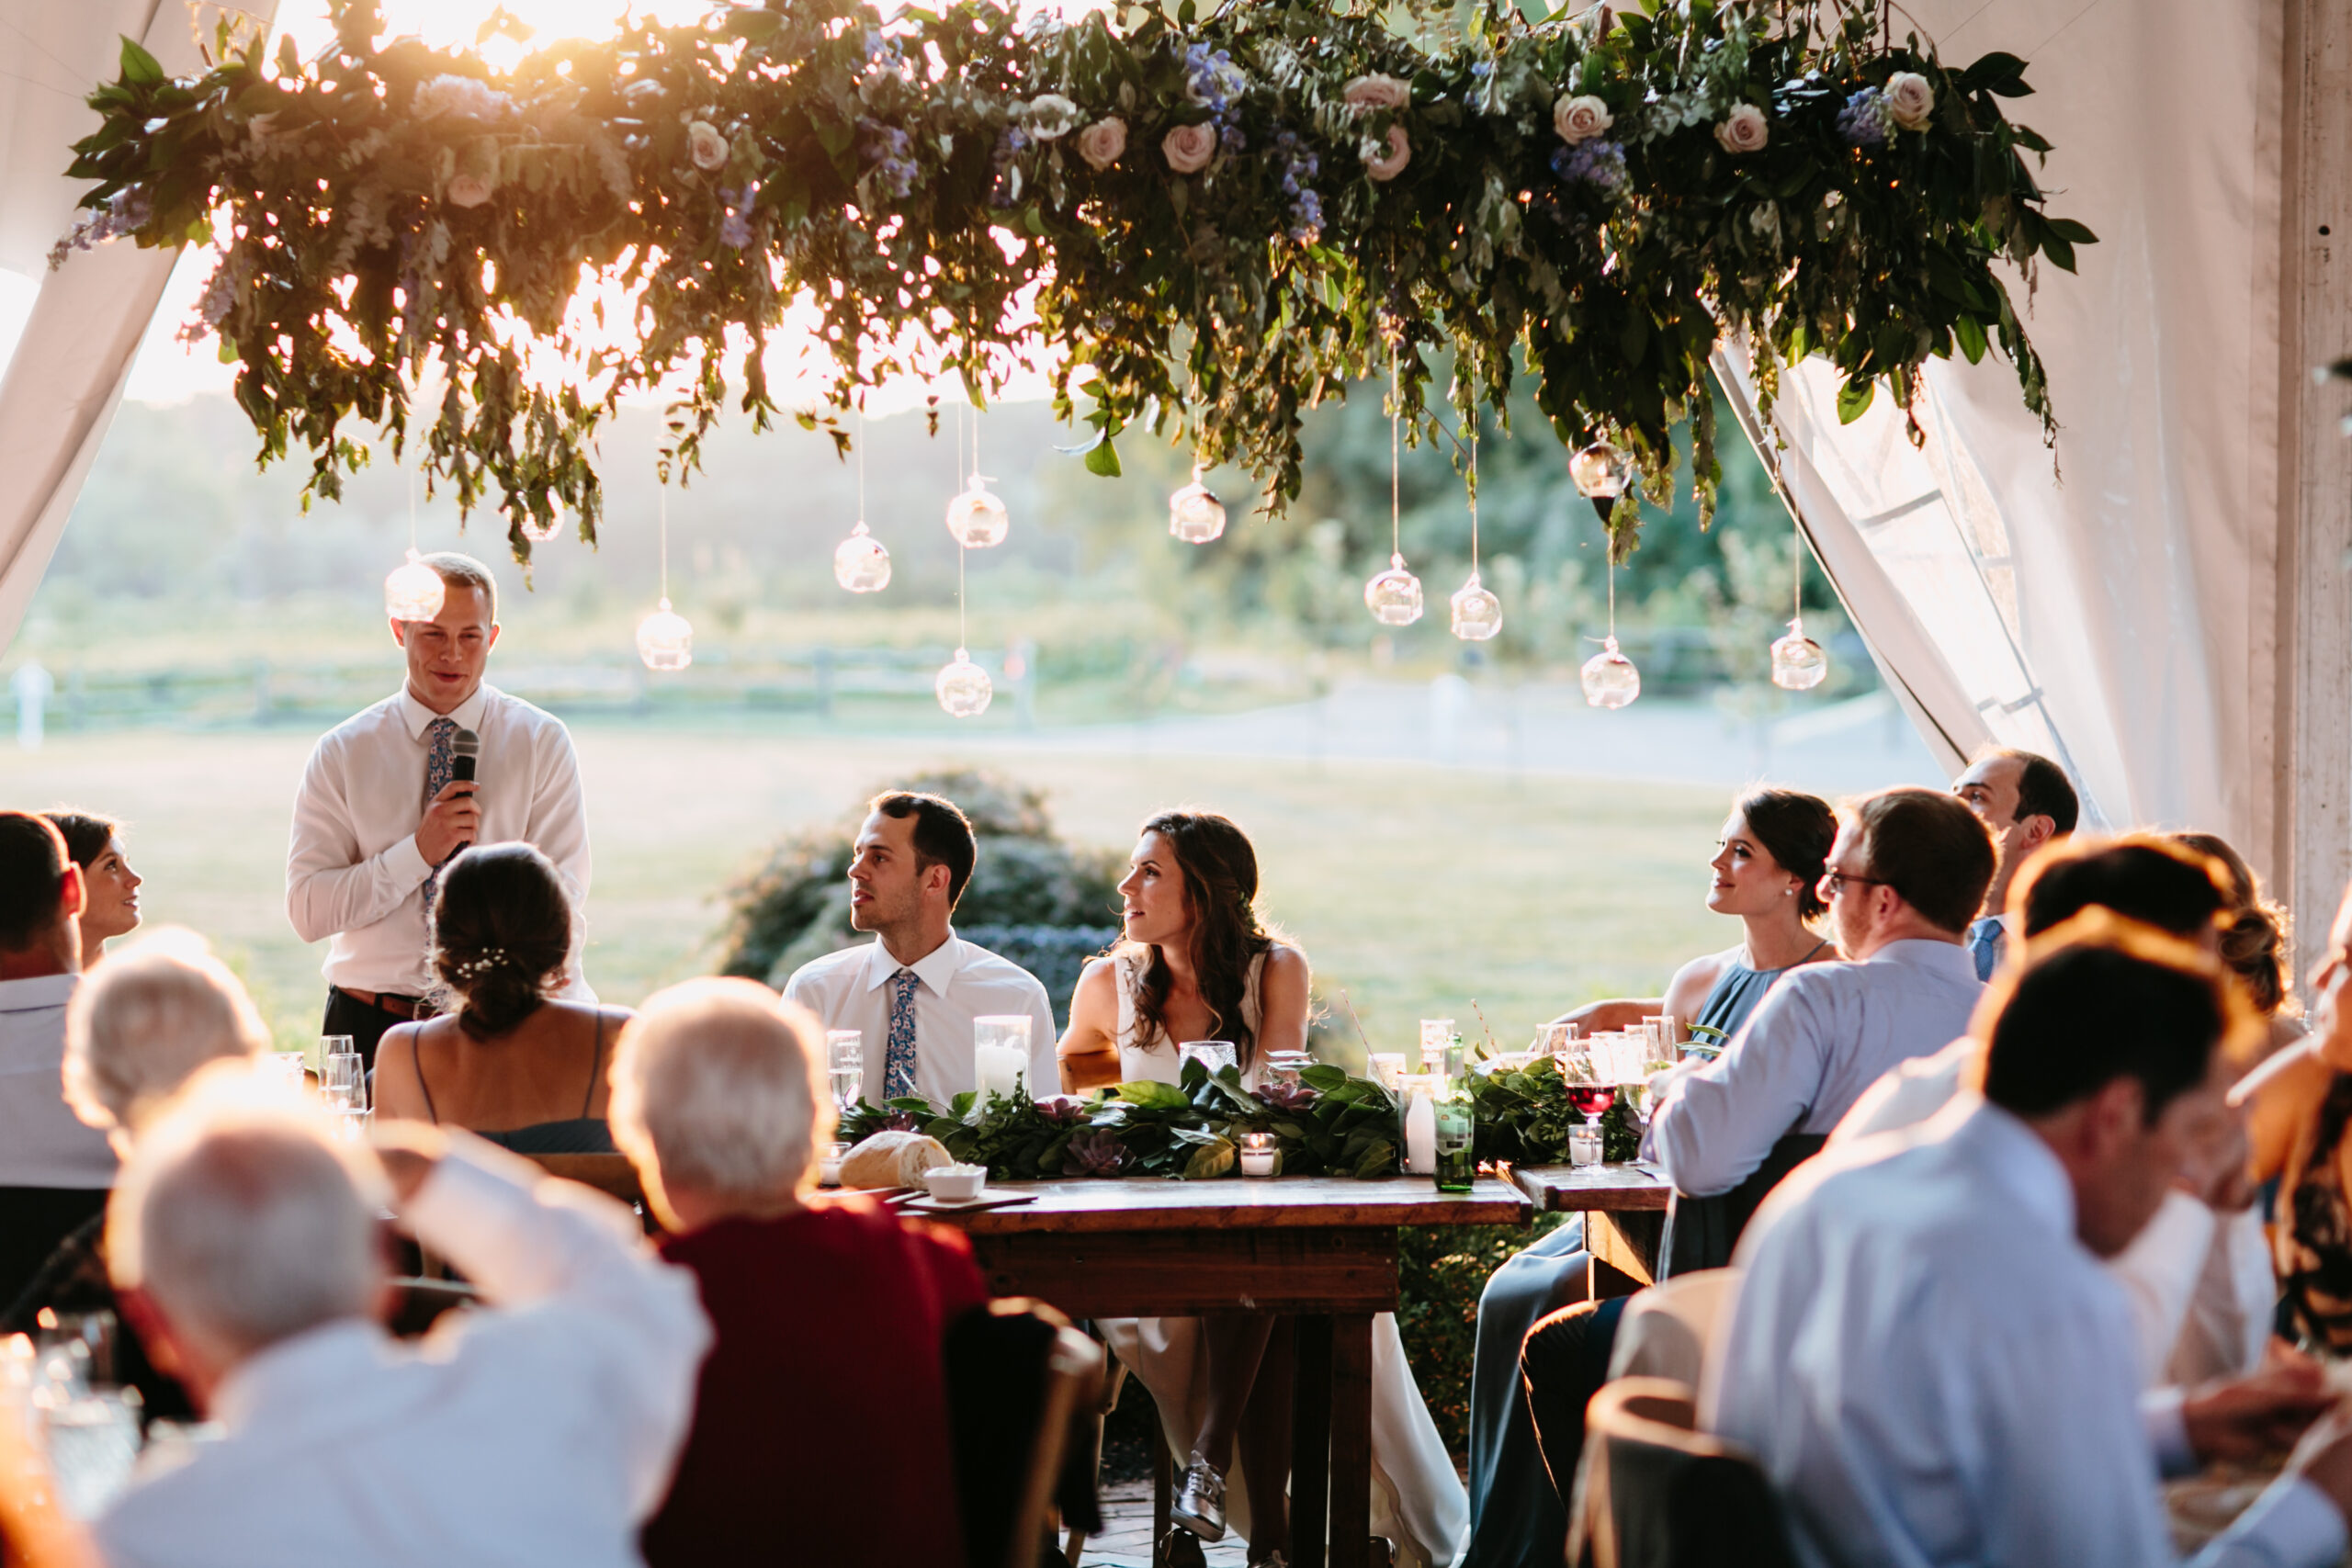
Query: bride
x,y
1196,964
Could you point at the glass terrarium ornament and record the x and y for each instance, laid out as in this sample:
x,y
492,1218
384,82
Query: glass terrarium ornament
x,y
860,563
963,687
1601,471
413,591
1798,663
976,517
1194,513
1395,596
538,532
1477,615
1610,679
665,639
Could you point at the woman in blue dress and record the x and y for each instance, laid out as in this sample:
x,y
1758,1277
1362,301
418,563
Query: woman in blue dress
x,y
1774,849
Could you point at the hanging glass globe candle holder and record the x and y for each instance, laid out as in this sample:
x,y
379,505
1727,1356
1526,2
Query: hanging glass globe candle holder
x,y
963,687
413,591
665,639
1477,615
1194,513
1601,471
540,533
860,563
1395,596
976,517
1798,663
1610,679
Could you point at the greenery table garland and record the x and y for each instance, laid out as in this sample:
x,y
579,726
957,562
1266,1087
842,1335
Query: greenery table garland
x,y
1213,220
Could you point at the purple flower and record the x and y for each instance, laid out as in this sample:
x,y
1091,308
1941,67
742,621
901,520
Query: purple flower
x,y
1096,1152
1593,163
1061,1112
897,1121
1284,1096
1864,121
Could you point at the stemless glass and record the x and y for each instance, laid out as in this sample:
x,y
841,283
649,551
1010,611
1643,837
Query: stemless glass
x,y
1215,1054
845,1060
1387,1069
1000,1053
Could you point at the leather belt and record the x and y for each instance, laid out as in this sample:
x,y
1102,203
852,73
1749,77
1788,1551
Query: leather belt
x,y
385,1001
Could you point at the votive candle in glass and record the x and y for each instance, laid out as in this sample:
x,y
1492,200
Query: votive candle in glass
x,y
1257,1153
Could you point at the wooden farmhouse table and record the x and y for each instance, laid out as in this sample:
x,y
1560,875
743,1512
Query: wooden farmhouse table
x,y
1624,1216
1322,1249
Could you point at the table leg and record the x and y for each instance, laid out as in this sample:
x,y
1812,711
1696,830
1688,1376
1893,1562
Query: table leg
x,y
1163,1485
1605,1279
1350,1440
1310,1472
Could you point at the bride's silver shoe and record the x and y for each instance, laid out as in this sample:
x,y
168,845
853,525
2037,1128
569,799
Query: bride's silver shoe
x,y
1200,1500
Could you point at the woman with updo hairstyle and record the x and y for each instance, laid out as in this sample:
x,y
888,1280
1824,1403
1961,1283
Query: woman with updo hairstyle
x,y
505,1058
2257,942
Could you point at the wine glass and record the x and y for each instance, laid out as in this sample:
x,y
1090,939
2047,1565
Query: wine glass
x,y
343,1082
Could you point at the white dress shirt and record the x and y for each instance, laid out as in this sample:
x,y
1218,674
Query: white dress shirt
x,y
352,872
850,989
1818,1039
1932,1369
42,1143
540,1431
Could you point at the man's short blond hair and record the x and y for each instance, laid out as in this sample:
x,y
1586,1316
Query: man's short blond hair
x,y
243,1217
457,569
145,1019
717,1087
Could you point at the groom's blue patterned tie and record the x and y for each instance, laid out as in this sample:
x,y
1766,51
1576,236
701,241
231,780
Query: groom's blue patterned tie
x,y
1985,940
898,1065
439,762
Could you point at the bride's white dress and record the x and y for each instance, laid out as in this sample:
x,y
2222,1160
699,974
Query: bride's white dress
x,y
1417,1502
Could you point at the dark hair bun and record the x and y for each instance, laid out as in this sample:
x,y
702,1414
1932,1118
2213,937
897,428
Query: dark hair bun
x,y
1797,831
2255,947
502,930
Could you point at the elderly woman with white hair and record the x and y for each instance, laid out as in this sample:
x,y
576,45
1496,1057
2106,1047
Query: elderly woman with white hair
x,y
135,1031
820,1303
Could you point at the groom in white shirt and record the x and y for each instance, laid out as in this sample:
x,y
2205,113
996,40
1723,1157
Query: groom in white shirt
x,y
378,812
913,994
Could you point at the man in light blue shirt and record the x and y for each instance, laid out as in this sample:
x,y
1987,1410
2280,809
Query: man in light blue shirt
x,y
1907,871
2026,801
1925,1354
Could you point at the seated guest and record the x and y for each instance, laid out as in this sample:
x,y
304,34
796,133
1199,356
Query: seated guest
x,y
828,1305
1771,854
111,908
245,1244
2256,938
2026,801
509,1060
133,1033
912,995
1924,1355
2300,1117
54,1171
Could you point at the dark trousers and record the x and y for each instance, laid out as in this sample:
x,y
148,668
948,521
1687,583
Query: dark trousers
x,y
1563,1365
364,1021
33,1219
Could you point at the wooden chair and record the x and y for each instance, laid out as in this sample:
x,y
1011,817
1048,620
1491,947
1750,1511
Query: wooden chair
x,y
1654,1493
1019,1380
609,1174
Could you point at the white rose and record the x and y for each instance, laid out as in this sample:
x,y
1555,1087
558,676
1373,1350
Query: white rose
x,y
466,190
1386,165
1101,143
1909,99
1189,148
1745,130
1051,117
1368,92
708,147
1581,119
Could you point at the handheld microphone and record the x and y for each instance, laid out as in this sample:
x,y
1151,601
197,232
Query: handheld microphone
x,y
465,749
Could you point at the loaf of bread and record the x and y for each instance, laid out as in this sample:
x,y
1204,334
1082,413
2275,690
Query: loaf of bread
x,y
893,1159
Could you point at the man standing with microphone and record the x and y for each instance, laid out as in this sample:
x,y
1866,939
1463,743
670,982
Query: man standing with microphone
x,y
394,791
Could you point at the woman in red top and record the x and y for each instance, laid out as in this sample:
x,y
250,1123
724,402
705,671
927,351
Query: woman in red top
x,y
821,1431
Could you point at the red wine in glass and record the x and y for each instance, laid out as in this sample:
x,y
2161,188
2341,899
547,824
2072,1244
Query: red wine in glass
x,y
1593,1100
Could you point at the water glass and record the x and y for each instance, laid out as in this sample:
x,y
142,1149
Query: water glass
x,y
1584,1145
845,1060
1387,1069
999,1053
293,1066
1554,1039
1437,1034
1215,1054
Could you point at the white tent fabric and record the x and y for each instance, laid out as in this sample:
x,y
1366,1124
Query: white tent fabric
x,y
68,371
2120,621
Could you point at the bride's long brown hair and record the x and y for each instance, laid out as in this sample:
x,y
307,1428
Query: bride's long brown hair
x,y
1220,872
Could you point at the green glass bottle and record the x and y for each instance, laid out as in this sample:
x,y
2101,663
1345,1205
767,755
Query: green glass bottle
x,y
1457,1164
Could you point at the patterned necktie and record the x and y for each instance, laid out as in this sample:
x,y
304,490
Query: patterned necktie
x,y
1984,943
438,764
898,1065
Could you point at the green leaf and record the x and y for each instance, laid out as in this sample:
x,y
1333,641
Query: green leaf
x,y
1104,458
753,22
2068,229
1154,1096
1210,1160
1970,331
1323,1078
138,65
1854,400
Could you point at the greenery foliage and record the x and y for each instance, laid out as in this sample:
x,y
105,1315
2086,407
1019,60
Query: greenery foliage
x,y
1523,1116
1295,194
1440,1272
1331,1124
795,906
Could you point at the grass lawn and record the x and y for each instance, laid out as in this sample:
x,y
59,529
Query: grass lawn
x,y
1414,888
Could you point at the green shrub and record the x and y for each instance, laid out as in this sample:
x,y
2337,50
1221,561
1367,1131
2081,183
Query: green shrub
x,y
1440,1269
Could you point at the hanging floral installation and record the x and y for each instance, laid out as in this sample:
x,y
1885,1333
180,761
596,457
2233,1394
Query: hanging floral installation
x,y
1202,224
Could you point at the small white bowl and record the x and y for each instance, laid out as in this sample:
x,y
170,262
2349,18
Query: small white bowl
x,y
956,1183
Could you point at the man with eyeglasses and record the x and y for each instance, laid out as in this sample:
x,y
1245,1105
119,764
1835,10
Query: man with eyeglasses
x,y
1905,876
